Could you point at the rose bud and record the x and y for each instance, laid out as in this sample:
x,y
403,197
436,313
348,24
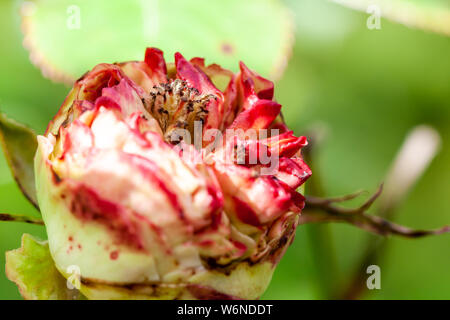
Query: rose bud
x,y
146,217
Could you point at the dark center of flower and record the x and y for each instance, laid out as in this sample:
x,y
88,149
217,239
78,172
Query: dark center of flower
x,y
175,105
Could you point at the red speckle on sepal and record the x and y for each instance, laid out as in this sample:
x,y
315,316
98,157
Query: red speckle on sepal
x,y
114,255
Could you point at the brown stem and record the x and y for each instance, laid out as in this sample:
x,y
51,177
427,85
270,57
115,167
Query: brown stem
x,y
20,218
398,184
323,210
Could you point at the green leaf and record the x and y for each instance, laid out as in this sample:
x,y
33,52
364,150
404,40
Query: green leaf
x,y
432,15
32,268
68,37
19,145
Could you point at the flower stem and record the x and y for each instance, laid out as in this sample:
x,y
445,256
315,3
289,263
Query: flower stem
x,y
20,218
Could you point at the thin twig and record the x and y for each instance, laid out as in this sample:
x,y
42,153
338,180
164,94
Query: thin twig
x,y
327,203
338,199
323,210
20,218
419,148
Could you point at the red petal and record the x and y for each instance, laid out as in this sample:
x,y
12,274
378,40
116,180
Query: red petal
x,y
255,200
229,104
285,144
259,116
122,96
293,172
154,58
103,75
194,77
197,61
213,71
199,80
225,80
257,110
262,87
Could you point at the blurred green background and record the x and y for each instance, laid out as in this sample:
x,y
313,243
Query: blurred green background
x,y
366,88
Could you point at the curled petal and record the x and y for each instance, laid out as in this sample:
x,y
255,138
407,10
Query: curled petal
x,y
219,76
154,58
122,97
225,80
256,109
88,88
194,77
139,73
199,80
91,84
243,192
283,145
259,116
286,144
262,87
293,172
229,104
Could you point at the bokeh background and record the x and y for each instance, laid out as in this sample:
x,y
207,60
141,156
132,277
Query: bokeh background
x,y
365,89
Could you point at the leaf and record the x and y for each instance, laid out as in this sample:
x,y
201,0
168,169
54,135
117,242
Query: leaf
x,y
66,37
32,268
432,15
19,145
